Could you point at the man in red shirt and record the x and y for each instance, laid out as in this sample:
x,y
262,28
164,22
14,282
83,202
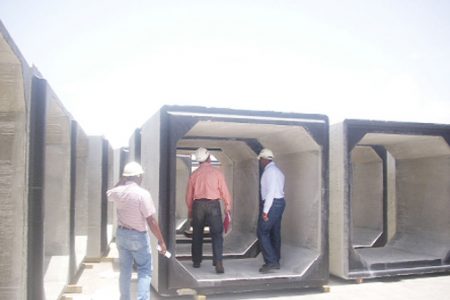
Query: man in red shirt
x,y
206,187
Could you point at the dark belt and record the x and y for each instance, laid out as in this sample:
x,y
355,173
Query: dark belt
x,y
274,199
205,199
126,228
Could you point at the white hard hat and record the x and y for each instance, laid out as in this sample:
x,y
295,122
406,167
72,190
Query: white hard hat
x,y
266,153
201,154
132,169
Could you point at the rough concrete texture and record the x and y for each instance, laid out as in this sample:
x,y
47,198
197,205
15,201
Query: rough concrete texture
x,y
95,163
14,101
366,197
57,197
81,197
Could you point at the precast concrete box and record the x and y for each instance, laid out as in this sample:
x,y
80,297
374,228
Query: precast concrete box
x,y
234,138
15,90
389,198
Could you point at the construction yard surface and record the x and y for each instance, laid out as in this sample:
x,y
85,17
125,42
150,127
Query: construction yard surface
x,y
99,280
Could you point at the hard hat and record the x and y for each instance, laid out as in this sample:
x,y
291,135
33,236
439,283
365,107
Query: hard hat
x,y
132,169
201,154
266,153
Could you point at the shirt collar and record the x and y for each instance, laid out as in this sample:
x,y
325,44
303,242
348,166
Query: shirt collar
x,y
205,164
129,182
269,165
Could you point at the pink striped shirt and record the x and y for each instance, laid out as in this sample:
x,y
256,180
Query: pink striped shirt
x,y
134,205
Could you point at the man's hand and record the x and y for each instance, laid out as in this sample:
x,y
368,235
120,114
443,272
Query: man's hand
x,y
265,217
162,247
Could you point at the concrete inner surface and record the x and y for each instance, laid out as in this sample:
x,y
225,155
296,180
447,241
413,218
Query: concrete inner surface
x,y
57,197
298,156
366,196
415,213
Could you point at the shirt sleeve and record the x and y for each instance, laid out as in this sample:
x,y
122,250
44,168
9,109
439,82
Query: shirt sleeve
x,y
147,206
270,191
110,194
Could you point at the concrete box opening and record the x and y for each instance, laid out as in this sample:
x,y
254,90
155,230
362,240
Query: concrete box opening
x,y
395,206
234,138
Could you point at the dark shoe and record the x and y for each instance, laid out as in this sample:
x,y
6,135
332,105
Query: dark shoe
x,y
219,267
214,263
267,268
196,265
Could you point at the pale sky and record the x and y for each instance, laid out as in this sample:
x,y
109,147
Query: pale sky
x,y
113,63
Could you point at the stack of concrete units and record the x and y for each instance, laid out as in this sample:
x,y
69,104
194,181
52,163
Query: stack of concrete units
x,y
45,162
15,87
389,198
300,143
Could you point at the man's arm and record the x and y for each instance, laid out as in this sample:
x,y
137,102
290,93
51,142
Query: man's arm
x,y
225,193
154,228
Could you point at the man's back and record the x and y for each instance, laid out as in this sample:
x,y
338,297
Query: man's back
x,y
134,205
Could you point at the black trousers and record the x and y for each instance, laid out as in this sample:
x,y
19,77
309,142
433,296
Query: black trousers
x,y
207,213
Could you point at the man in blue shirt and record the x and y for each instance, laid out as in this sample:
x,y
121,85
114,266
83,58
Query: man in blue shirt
x,y
271,211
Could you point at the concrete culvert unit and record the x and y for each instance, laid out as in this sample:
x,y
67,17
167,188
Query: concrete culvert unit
x,y
390,198
15,88
300,143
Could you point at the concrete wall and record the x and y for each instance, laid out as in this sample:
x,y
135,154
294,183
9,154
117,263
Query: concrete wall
x,y
150,161
111,180
339,224
183,172
14,122
95,166
366,196
81,197
57,197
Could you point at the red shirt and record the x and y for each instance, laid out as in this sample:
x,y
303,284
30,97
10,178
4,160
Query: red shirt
x,y
207,182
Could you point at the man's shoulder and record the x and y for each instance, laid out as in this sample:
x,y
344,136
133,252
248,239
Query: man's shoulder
x,y
273,168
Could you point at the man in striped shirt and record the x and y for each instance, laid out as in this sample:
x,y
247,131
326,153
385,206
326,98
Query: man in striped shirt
x,y
135,210
206,187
